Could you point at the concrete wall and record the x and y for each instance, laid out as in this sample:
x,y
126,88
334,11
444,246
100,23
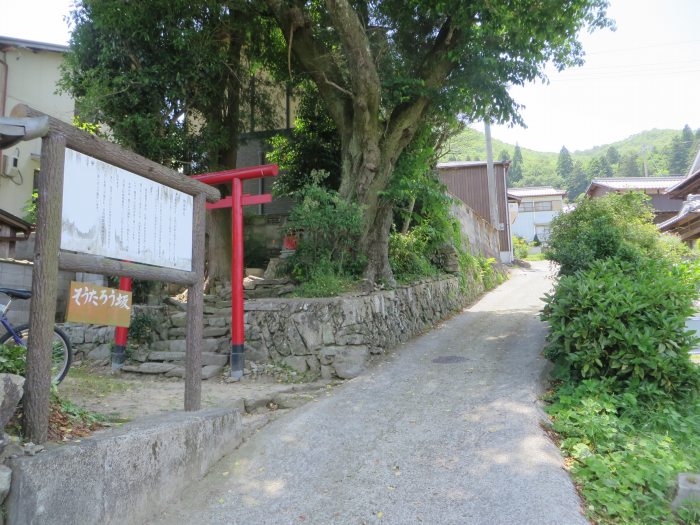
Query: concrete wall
x,y
31,79
482,237
120,476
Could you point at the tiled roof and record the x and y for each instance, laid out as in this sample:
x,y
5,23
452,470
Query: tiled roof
x,y
691,207
636,183
535,191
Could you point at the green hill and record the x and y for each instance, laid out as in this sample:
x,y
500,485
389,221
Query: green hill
x,y
651,150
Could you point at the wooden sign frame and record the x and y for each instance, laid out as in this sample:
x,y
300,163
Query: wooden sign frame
x,y
48,260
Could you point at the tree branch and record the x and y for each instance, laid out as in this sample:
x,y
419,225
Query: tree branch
x,y
434,69
313,57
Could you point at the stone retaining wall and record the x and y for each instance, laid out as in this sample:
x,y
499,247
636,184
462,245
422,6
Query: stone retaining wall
x,y
331,337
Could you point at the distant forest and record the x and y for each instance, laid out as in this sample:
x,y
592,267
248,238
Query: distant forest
x,y
654,153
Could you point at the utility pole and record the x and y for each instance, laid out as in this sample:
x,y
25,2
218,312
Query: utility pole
x,y
491,176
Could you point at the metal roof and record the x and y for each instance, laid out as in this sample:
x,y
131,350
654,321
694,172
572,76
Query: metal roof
x,y
469,163
535,191
635,183
6,41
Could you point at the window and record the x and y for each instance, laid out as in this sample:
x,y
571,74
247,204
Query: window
x,y
525,206
543,206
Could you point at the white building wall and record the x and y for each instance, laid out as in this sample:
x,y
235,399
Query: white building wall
x,y
527,221
32,78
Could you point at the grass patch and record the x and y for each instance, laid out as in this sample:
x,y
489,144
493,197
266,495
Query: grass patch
x,y
625,454
83,382
535,257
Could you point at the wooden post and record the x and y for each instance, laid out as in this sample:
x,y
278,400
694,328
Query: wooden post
x,y
42,310
195,310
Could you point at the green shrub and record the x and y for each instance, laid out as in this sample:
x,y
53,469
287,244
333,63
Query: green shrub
x,y
328,228
13,359
617,225
520,247
141,328
324,280
625,453
407,256
625,321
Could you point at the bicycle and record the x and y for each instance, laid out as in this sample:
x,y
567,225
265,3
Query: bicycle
x,y
61,353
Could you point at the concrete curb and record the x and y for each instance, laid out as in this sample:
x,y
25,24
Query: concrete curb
x,y
121,475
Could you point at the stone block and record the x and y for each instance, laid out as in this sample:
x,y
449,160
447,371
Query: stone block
x,y
102,351
219,321
178,371
327,372
351,361
210,371
177,333
150,368
328,353
76,335
5,481
11,391
687,490
350,339
214,331
297,363
309,329
291,399
256,352
166,356
122,475
327,333
313,363
179,319
210,358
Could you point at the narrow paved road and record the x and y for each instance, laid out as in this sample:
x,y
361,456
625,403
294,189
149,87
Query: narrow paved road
x,y
446,431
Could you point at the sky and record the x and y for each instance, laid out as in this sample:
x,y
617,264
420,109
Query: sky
x,y
642,76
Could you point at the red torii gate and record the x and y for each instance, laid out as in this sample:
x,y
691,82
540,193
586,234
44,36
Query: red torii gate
x,y
236,202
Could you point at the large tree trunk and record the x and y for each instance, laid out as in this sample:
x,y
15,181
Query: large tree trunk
x,y
227,121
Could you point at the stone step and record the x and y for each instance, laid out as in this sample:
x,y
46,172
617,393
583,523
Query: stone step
x,y
208,358
172,370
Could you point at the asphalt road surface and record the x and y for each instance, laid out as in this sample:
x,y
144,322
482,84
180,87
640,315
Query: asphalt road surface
x,y
445,431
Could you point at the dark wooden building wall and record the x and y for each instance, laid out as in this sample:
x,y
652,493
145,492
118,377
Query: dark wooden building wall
x,y
469,183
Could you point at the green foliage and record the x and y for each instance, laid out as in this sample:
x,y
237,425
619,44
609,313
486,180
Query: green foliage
x,y
142,328
312,146
255,253
616,225
624,158
324,279
151,70
515,173
408,256
328,228
626,321
13,359
520,247
626,452
30,208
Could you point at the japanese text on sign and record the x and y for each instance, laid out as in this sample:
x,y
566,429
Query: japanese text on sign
x,y
92,304
114,213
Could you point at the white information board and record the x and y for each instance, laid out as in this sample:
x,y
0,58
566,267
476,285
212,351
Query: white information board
x,y
114,213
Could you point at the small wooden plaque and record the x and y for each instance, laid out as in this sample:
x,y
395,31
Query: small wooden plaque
x,y
92,304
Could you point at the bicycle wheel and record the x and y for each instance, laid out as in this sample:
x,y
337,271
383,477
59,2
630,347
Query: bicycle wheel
x,y
61,353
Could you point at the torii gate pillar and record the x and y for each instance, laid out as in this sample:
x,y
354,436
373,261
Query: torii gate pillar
x,y
236,202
